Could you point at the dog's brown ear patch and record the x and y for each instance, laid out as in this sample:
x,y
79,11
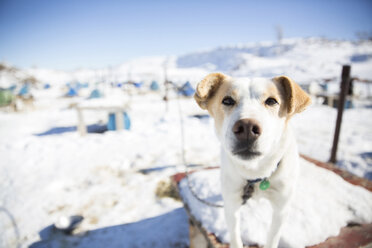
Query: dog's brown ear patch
x,y
206,89
296,98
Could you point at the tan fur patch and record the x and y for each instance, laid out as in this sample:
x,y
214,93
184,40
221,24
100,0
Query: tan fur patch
x,y
296,99
215,106
278,94
206,89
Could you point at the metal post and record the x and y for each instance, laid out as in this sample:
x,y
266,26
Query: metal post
x,y
345,82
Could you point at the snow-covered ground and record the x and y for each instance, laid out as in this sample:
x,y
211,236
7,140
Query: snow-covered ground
x,y
47,170
98,176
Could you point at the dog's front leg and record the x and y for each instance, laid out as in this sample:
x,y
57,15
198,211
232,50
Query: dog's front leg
x,y
275,229
232,215
232,186
280,212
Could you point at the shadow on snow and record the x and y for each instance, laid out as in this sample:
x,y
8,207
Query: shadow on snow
x,y
167,230
94,128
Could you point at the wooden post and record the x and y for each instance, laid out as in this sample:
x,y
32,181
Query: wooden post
x,y
166,85
345,82
196,237
81,125
119,120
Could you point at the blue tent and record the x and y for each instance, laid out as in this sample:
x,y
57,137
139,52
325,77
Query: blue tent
x,y
46,86
111,125
127,123
95,94
154,86
138,85
186,89
72,92
25,90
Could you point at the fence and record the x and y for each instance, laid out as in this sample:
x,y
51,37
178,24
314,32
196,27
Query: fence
x,y
346,82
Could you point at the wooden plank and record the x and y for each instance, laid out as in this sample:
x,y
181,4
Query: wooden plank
x,y
104,108
197,239
81,125
118,110
119,120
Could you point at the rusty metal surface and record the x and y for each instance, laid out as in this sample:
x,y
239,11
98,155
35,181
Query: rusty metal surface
x,y
349,237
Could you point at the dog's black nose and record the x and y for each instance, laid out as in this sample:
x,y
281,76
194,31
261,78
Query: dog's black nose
x,y
247,130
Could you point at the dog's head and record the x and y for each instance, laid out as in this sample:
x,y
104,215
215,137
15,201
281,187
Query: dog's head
x,y
250,114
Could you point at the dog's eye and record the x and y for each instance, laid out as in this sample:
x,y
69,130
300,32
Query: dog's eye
x,y
228,101
271,101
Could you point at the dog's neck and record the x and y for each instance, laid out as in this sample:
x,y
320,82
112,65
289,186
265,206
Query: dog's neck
x,y
257,180
248,189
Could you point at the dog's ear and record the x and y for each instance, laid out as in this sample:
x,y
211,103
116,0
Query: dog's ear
x,y
297,99
206,89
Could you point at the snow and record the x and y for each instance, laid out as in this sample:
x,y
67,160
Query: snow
x,y
323,203
315,130
97,176
48,171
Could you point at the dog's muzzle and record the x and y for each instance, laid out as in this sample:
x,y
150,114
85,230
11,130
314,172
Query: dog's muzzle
x,y
246,132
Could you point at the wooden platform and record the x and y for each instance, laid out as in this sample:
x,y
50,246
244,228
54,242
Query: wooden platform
x,y
117,109
352,236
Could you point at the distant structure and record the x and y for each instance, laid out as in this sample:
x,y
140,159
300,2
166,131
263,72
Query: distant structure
x,y
111,125
72,92
96,93
279,34
154,86
138,85
279,37
186,89
25,90
6,97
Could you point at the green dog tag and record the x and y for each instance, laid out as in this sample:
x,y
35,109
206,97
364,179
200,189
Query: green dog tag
x,y
264,185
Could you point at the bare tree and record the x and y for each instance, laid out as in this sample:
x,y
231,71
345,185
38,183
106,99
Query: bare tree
x,y
279,34
364,35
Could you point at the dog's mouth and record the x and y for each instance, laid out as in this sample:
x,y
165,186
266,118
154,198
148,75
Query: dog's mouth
x,y
245,150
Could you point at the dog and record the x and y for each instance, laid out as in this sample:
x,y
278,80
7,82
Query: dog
x,y
259,156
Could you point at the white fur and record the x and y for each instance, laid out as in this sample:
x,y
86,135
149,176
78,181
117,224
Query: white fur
x,y
276,143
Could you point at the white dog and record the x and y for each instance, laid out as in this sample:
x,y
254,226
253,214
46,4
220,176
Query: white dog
x,y
259,155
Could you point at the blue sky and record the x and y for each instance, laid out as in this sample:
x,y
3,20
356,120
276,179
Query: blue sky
x,y
70,34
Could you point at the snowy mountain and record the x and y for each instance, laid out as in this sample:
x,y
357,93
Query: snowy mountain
x,y
230,58
304,59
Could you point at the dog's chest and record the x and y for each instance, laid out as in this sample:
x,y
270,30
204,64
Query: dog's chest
x,y
248,191
254,187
